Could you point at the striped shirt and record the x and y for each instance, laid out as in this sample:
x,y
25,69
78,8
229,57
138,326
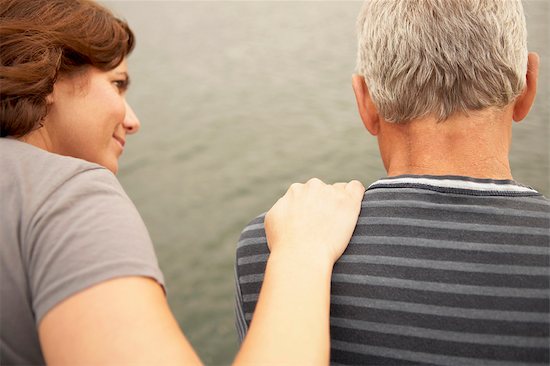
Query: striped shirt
x,y
440,270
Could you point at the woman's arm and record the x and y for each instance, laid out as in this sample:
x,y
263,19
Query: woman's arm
x,y
124,321
127,321
94,261
307,231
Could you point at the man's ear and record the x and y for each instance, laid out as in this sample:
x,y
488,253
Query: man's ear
x,y
367,109
525,100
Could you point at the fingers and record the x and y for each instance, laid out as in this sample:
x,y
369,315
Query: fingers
x,y
355,188
315,182
340,186
314,217
353,185
295,186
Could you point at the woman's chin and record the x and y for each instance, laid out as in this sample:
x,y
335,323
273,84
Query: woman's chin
x,y
111,164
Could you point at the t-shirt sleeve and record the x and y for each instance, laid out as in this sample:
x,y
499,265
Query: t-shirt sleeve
x,y
85,231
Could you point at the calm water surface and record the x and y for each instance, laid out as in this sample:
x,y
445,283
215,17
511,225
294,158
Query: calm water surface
x,y
237,101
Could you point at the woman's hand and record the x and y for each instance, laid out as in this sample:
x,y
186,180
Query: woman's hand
x,y
314,221
307,231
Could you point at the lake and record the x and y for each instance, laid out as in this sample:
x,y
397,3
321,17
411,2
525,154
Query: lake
x,y
238,100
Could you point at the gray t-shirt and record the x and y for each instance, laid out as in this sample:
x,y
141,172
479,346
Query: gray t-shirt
x,y
65,225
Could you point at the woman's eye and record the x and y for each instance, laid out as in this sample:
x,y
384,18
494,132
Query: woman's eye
x,y
121,85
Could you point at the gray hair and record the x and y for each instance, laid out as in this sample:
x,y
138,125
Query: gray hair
x,y
440,57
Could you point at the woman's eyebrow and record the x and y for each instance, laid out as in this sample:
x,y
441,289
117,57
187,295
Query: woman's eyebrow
x,y
124,74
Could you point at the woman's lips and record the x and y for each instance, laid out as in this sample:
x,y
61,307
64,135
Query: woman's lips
x,y
120,140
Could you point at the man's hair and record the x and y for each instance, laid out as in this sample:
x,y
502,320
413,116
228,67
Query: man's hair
x,y
441,57
41,40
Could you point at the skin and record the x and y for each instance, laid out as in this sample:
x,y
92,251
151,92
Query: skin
x,y
89,117
476,145
127,321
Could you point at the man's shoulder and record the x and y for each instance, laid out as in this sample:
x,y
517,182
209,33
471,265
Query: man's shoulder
x,y
256,223
252,237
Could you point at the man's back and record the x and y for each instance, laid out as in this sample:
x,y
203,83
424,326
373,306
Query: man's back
x,y
440,270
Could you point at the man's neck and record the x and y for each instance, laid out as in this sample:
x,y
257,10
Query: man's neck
x,y
475,146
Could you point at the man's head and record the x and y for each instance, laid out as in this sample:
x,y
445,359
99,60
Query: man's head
x,y
436,58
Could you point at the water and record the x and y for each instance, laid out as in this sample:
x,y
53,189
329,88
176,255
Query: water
x,y
238,100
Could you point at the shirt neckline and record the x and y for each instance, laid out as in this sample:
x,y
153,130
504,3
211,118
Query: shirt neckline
x,y
456,184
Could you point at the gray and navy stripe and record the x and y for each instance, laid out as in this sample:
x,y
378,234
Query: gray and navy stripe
x,y
440,270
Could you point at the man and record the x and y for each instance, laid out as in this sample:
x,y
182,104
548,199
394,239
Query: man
x,y
449,261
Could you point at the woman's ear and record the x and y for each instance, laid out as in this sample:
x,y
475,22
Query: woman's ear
x,y
525,100
49,98
367,109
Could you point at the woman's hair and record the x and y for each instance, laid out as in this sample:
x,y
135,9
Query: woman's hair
x,y
43,39
440,57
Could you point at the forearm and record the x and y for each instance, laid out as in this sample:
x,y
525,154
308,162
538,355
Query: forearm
x,y
291,322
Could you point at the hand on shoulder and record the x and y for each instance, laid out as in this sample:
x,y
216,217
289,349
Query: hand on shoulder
x,y
314,221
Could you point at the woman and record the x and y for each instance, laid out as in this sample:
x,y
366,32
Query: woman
x,y
80,280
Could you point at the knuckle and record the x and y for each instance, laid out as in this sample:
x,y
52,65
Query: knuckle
x,y
315,181
294,187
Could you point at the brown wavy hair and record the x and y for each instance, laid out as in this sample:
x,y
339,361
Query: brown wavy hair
x,y
43,39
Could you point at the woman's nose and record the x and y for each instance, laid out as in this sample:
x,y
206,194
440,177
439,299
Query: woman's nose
x,y
131,122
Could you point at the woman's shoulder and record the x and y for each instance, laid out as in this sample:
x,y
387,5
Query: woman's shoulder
x,y
33,178
25,166
16,153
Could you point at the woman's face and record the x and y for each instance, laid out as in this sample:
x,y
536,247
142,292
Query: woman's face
x,y
89,117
